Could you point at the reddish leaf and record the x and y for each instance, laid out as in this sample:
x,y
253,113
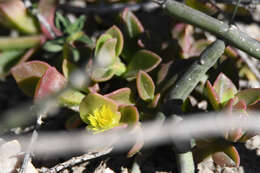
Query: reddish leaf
x,y
51,82
28,74
47,9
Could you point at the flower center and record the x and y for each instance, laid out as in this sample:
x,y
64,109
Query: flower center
x,y
102,119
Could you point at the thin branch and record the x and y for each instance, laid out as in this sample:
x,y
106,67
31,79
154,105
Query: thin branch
x,y
231,34
76,161
146,6
29,151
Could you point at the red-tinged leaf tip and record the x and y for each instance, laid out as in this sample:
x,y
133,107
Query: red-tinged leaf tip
x,y
51,82
155,101
133,25
224,88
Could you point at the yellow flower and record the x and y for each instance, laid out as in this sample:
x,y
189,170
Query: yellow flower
x,y
102,119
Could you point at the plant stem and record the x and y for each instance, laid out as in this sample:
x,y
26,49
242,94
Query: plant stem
x,y
185,162
230,34
193,75
184,87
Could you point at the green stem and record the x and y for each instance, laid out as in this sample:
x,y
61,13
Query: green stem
x,y
193,75
185,162
26,42
184,87
230,34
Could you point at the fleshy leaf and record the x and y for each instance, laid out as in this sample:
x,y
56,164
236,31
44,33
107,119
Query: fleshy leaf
x,y
28,74
155,101
115,32
101,40
68,68
102,66
212,95
143,60
145,86
133,25
234,134
51,82
119,67
121,96
229,157
224,88
139,143
92,102
16,13
250,96
47,8
197,47
71,98
129,114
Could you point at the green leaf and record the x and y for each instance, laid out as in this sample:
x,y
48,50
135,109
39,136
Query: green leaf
x,y
133,25
224,88
52,47
121,96
71,98
213,96
115,32
68,68
8,60
143,60
250,96
15,12
95,101
119,67
201,6
102,66
76,26
129,115
145,86
61,21
101,40
28,74
85,39
155,101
